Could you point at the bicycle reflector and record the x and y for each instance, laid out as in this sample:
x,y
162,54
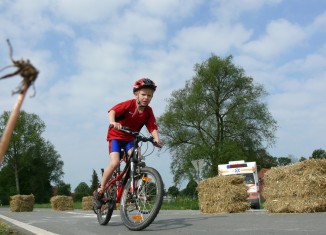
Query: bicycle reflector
x,y
146,179
138,217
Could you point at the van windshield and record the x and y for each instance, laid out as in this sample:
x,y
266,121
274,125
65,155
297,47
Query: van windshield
x,y
249,178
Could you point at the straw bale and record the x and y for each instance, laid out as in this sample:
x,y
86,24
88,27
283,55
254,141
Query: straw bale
x,y
87,203
62,203
223,194
297,188
22,203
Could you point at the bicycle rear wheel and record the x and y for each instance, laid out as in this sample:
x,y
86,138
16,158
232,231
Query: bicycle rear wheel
x,y
138,213
105,212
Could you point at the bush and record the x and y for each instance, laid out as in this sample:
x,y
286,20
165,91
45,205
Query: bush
x,y
82,190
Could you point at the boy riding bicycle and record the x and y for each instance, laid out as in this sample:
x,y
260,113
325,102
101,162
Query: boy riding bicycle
x,y
133,114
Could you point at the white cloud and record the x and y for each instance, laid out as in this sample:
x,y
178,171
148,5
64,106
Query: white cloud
x,y
211,38
168,9
136,27
319,23
226,10
87,11
281,36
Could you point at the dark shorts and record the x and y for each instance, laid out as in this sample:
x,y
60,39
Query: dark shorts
x,y
117,145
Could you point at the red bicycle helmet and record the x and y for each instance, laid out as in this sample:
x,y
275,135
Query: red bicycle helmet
x,y
144,83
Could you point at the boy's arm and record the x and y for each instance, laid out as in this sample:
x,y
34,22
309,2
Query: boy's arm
x,y
157,139
112,121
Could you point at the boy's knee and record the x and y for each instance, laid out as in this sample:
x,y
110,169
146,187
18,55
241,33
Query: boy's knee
x,y
115,164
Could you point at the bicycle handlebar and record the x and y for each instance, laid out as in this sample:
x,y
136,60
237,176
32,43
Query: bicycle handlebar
x,y
136,134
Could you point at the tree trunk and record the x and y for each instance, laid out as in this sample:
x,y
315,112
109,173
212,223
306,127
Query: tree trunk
x,y
16,177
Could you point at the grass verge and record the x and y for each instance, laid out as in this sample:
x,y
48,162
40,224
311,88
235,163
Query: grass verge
x,y
180,203
6,229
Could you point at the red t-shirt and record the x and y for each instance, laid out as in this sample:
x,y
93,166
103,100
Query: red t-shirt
x,y
126,114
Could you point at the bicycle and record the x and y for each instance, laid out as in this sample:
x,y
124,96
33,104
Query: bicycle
x,y
138,189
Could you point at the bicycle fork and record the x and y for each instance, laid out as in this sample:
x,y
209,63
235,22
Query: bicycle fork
x,y
133,182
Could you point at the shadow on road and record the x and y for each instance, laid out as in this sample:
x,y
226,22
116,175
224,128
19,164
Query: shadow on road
x,y
172,224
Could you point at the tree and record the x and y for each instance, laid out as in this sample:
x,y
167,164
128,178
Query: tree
x,y
173,191
81,191
94,182
190,190
63,189
318,154
263,159
284,161
218,116
31,163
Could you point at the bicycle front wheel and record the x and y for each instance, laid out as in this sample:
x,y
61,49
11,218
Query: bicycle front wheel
x,y
139,211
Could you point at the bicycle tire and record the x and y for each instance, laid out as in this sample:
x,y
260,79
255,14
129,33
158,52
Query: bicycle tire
x,y
139,213
94,209
104,213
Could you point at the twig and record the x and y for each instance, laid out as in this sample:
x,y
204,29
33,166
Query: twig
x,y
29,74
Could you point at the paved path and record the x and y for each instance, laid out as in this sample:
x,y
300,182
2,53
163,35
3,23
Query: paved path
x,y
49,222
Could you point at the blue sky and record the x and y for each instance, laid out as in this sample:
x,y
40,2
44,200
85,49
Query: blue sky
x,y
90,53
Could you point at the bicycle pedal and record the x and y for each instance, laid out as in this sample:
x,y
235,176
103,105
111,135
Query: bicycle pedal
x,y
97,204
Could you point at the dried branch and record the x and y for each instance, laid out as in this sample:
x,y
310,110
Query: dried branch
x,y
25,69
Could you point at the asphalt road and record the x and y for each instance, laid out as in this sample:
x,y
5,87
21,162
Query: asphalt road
x,y
187,222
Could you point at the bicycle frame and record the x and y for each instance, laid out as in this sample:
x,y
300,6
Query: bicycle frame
x,y
138,188
120,178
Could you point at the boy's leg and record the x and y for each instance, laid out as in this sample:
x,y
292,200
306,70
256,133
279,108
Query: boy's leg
x,y
107,174
113,164
114,151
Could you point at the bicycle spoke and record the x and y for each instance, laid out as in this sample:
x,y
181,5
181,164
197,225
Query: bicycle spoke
x,y
138,212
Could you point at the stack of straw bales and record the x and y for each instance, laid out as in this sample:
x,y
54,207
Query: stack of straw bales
x,y
62,203
298,188
22,203
87,203
223,194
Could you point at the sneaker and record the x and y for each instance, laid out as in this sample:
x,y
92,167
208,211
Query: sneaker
x,y
97,202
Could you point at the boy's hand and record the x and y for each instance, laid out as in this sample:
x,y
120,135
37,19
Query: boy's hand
x,y
158,143
115,125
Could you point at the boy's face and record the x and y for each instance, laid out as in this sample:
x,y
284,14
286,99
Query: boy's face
x,y
144,96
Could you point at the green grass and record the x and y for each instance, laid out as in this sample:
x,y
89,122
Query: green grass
x,y
77,205
180,203
5,229
45,205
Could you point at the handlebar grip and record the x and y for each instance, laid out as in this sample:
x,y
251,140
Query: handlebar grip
x,y
124,129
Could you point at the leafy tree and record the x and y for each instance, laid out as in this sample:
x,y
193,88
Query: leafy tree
x,y
190,190
173,191
94,182
31,163
284,161
318,154
218,116
63,189
302,159
262,158
81,191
